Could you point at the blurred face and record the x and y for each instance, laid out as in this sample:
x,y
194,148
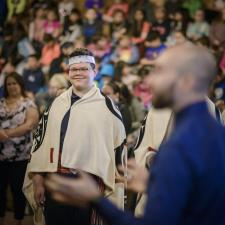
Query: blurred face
x,y
32,63
67,51
199,16
179,38
40,13
91,14
159,15
178,16
125,42
108,91
102,42
53,88
13,87
126,70
139,16
74,17
162,81
51,16
8,68
118,17
81,76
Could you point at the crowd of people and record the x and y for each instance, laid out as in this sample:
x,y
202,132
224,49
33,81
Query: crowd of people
x,y
38,37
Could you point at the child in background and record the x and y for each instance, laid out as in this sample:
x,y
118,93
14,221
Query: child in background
x,y
127,77
33,76
140,28
154,47
161,24
72,27
50,51
125,51
52,24
199,27
100,46
118,27
141,89
36,27
92,25
65,7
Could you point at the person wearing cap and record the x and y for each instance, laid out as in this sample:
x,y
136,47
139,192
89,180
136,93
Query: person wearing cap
x,y
81,131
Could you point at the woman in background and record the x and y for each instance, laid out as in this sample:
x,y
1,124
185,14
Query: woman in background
x,y
18,117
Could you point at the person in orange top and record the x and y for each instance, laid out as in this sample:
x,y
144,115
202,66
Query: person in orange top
x,y
50,51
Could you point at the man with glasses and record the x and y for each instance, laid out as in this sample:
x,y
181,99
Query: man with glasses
x,y
81,131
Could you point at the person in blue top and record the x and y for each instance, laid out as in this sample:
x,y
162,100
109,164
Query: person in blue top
x,y
187,180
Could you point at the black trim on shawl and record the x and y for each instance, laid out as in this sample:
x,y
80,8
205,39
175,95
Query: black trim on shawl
x,y
39,133
112,108
141,134
119,153
115,111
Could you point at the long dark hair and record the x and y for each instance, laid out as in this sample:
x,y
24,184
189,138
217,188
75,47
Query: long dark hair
x,y
19,80
137,28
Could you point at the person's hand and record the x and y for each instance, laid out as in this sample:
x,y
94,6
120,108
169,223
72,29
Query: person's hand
x,y
136,178
79,192
39,189
39,195
3,135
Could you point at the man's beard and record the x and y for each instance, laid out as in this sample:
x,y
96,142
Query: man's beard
x,y
164,98
161,102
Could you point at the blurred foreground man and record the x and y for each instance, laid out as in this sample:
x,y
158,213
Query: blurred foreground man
x,y
187,182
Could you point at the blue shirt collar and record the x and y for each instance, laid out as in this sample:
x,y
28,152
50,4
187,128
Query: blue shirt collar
x,y
194,109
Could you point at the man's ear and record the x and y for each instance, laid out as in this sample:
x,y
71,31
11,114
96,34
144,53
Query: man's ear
x,y
188,82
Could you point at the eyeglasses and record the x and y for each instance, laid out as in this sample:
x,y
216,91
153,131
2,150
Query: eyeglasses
x,y
81,70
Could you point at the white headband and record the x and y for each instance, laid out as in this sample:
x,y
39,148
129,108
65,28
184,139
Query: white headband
x,y
81,59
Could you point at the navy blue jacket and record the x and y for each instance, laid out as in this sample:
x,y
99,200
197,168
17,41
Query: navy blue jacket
x,y
33,80
187,183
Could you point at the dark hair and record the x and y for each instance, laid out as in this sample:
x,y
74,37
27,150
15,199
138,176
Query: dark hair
x,y
115,87
19,80
82,51
204,40
137,28
76,11
48,38
8,30
142,11
153,35
34,56
67,44
125,94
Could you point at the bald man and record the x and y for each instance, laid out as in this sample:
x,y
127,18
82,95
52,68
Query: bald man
x,y
187,182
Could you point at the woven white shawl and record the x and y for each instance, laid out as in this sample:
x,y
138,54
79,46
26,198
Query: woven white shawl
x,y
92,134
